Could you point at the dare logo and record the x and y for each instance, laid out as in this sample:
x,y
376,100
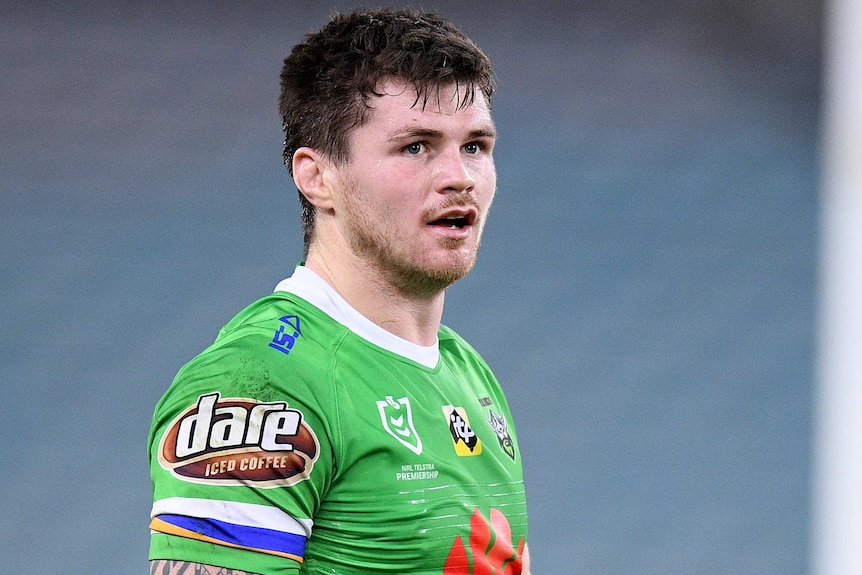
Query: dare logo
x,y
239,442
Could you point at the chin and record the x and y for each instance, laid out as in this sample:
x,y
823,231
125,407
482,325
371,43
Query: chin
x,y
446,275
431,278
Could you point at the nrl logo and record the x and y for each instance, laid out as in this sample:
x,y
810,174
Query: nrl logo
x,y
397,419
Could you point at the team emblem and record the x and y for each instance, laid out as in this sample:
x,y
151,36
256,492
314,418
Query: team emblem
x,y
397,419
501,429
465,439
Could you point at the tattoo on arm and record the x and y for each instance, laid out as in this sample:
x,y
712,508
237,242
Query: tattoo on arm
x,y
166,567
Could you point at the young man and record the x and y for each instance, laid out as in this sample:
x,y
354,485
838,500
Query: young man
x,y
335,426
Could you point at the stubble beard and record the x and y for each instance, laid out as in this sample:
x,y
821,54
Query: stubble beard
x,y
404,266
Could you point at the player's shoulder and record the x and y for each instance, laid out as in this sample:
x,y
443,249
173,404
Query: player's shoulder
x,y
449,338
273,350
283,323
454,346
278,338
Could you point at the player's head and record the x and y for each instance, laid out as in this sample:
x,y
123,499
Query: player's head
x,y
326,80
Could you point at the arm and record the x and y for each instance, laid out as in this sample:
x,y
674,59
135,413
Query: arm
x,y
194,528
167,567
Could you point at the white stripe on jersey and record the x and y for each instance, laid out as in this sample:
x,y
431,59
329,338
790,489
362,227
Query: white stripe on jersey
x,y
249,514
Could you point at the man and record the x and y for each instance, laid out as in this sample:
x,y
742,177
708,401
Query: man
x,y
335,426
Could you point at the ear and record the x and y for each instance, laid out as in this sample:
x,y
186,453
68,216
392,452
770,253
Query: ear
x,y
311,174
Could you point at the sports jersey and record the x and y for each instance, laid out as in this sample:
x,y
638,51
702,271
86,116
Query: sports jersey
x,y
307,439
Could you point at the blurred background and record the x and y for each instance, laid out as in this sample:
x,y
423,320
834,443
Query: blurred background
x,y
645,292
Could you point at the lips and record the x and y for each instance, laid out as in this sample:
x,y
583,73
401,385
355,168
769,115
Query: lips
x,y
456,219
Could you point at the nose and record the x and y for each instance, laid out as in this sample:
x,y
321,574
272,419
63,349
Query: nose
x,y
454,174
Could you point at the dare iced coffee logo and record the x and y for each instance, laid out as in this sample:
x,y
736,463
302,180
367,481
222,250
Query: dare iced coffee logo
x,y
239,442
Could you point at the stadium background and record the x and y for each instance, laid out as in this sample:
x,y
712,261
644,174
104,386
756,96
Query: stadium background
x,y
646,291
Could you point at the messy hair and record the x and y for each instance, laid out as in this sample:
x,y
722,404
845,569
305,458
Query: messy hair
x,y
327,80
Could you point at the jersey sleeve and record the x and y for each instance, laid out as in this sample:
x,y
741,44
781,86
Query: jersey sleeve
x,y
242,451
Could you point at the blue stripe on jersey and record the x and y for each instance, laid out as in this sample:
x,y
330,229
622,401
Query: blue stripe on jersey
x,y
242,536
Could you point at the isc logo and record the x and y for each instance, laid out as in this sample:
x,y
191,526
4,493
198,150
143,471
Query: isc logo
x,y
236,441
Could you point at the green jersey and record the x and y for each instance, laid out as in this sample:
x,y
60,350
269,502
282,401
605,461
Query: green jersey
x,y
307,439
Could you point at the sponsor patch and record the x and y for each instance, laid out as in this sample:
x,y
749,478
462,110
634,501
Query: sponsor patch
x,y
465,439
239,441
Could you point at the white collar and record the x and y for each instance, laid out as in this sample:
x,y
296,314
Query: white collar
x,y
306,284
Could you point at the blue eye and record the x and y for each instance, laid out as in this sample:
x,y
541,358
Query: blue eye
x,y
472,148
414,148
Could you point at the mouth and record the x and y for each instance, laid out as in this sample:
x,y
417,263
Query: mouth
x,y
456,219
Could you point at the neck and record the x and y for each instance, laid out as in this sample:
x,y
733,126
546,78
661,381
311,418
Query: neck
x,y
411,314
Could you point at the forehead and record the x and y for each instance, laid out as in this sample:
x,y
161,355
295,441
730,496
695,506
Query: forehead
x,y
398,102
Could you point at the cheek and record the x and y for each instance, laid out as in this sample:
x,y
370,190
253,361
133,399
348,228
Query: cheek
x,y
486,170
490,199
490,188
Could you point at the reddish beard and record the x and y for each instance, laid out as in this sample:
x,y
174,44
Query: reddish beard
x,y
405,266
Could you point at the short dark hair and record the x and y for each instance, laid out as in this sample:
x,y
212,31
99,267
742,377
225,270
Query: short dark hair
x,y
326,80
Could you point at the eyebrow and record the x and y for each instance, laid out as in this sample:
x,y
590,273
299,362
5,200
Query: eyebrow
x,y
429,133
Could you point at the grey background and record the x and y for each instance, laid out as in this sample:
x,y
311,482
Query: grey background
x,y
646,290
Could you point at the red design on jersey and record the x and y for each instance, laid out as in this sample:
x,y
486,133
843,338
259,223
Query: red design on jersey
x,y
497,558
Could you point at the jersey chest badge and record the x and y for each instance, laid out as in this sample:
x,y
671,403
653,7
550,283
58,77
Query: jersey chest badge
x,y
397,419
501,429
